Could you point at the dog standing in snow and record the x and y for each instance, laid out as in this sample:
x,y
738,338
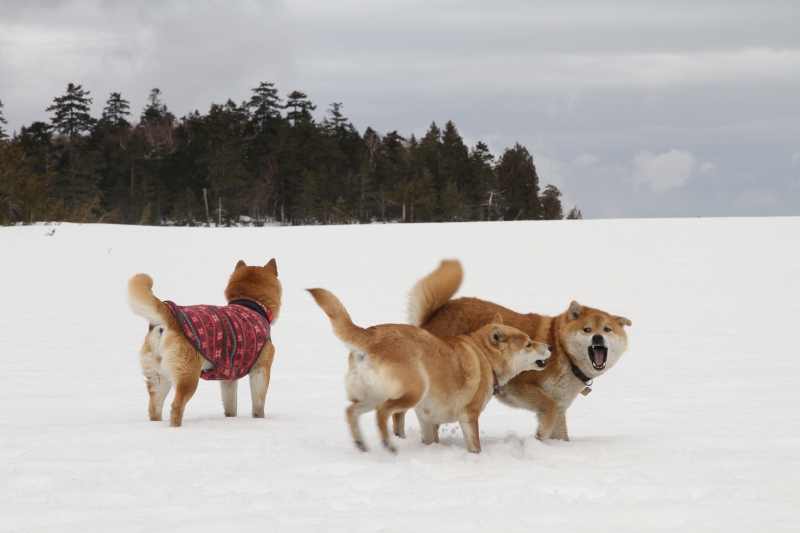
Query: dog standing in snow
x,y
586,343
226,343
397,367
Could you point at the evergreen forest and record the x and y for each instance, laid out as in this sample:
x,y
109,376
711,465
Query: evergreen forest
x,y
266,160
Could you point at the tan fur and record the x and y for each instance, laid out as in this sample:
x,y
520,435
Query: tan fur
x,y
550,392
167,358
397,367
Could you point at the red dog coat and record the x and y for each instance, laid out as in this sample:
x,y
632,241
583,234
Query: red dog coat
x,y
230,337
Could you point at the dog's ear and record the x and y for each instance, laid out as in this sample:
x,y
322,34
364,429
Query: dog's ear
x,y
498,319
575,311
240,264
497,336
622,321
272,266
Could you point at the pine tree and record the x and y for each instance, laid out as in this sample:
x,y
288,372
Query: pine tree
x,y
574,214
72,112
516,175
301,108
265,106
551,205
155,112
3,134
25,195
116,110
455,157
337,123
224,158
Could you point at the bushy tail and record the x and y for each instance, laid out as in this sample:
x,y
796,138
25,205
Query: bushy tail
x,y
343,327
144,303
433,291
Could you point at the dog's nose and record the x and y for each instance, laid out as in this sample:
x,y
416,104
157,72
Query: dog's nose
x,y
549,348
598,340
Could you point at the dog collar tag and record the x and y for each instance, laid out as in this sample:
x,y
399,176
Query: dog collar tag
x,y
586,391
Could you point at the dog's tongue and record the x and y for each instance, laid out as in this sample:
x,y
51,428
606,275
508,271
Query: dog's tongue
x,y
598,356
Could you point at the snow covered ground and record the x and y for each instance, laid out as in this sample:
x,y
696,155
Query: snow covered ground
x,y
696,429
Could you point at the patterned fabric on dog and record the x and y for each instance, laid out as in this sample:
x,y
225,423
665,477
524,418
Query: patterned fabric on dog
x,y
230,337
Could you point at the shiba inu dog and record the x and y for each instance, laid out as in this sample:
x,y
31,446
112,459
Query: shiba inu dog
x,y
226,343
586,343
397,367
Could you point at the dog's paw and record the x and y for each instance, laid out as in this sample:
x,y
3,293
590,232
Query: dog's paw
x,y
361,446
389,446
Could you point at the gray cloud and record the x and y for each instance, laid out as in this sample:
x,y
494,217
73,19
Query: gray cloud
x,y
587,87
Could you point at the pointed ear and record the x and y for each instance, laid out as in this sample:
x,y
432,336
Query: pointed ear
x,y
622,321
497,336
498,319
575,311
272,266
239,265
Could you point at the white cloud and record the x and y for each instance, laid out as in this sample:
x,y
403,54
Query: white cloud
x,y
663,172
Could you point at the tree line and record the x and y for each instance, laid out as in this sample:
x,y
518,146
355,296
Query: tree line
x,y
265,160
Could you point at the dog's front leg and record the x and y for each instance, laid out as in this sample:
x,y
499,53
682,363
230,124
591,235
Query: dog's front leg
x,y
229,391
560,430
428,430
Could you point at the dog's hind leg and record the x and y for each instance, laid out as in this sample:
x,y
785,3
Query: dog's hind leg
x,y
158,386
229,391
259,379
469,427
184,390
185,370
355,410
399,424
388,408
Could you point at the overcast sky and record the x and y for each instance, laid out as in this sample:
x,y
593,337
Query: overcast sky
x,y
633,109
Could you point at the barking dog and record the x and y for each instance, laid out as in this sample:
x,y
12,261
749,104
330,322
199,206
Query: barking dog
x,y
396,367
586,343
217,343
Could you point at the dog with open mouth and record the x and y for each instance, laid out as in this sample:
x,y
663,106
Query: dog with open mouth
x,y
586,343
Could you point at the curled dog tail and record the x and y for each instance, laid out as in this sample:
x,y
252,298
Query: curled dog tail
x,y
144,303
433,291
350,334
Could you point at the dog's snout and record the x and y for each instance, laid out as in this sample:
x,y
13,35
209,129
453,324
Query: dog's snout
x,y
598,340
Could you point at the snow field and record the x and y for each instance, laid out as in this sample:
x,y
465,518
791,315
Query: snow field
x,y
696,428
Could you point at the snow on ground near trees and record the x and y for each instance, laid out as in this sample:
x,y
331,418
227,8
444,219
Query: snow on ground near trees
x,y
697,428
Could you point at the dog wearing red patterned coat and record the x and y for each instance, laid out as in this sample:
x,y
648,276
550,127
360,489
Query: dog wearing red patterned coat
x,y
225,343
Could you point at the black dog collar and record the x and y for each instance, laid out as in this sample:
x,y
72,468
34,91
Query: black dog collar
x,y
583,377
250,304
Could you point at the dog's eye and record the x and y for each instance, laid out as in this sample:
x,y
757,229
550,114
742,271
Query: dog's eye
x,y
587,330
607,329
529,344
